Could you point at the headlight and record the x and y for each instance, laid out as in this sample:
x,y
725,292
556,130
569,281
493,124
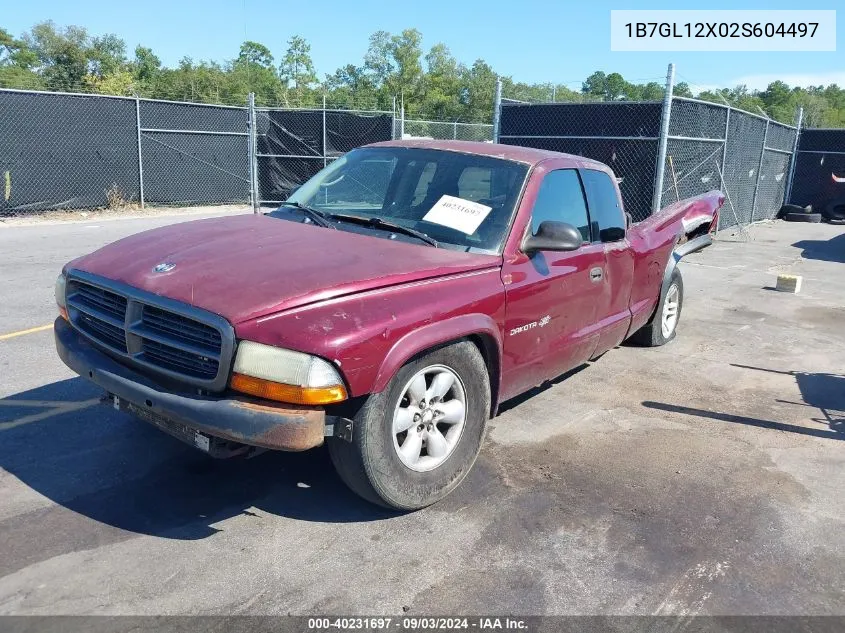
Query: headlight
x,y
60,288
281,374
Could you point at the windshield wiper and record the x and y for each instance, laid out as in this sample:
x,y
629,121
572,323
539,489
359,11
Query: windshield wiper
x,y
318,217
386,225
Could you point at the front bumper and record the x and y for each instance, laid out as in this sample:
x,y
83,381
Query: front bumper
x,y
240,420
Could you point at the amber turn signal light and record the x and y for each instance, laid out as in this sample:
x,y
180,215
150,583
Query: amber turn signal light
x,y
293,394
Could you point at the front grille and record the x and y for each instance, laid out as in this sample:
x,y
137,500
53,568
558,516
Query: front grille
x,y
100,300
178,360
171,324
114,337
143,329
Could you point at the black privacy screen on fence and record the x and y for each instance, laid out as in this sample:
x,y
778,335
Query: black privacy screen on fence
x,y
194,154
708,141
819,168
69,151
708,146
621,135
293,145
66,151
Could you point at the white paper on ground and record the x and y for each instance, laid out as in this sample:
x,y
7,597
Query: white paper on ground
x,y
456,213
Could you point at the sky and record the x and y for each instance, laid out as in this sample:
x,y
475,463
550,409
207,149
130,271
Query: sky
x,y
559,41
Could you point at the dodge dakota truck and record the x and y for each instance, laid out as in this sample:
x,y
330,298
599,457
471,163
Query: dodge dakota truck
x,y
386,308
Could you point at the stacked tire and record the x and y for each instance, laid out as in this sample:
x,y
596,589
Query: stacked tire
x,y
834,211
795,213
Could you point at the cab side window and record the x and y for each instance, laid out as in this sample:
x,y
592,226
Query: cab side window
x,y
608,220
561,199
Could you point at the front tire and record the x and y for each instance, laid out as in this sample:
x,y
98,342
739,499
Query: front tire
x,y
664,324
414,442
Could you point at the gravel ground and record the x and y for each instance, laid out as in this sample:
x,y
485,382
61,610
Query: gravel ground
x,y
702,477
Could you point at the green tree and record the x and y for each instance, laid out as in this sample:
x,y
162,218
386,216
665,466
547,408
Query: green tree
x,y
146,64
255,53
352,86
62,54
297,68
406,52
107,55
441,84
15,52
478,89
378,61
615,87
682,89
253,71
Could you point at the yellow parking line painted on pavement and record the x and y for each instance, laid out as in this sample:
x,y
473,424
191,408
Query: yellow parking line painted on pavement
x,y
31,330
58,408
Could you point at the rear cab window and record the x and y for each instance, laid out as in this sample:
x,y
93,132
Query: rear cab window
x,y
606,216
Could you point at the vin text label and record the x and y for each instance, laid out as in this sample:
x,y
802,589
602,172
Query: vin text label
x,y
728,30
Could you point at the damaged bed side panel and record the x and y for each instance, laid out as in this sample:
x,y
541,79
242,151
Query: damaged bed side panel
x,y
663,238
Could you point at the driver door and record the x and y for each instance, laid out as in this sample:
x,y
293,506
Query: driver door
x,y
550,322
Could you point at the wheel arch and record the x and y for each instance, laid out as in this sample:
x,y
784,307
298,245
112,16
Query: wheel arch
x,y
671,266
478,329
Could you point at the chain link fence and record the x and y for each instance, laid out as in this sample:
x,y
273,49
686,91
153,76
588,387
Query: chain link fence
x,y
819,178
707,146
293,145
80,151
418,128
62,150
68,151
65,151
713,146
193,154
621,135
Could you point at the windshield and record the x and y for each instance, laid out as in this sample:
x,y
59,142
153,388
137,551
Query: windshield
x,y
462,201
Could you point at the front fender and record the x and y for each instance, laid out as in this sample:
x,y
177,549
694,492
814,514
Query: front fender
x,y
369,335
438,333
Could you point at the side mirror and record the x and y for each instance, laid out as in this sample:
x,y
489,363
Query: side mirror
x,y
293,190
553,236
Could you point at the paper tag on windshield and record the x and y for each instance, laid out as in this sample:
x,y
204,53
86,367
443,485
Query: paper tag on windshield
x,y
457,213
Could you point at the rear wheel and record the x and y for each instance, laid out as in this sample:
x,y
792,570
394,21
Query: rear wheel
x,y
663,325
414,442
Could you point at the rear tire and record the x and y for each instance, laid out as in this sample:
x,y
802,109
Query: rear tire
x,y
664,324
379,466
813,218
834,211
793,208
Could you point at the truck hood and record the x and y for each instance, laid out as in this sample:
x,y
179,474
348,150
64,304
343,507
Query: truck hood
x,y
247,266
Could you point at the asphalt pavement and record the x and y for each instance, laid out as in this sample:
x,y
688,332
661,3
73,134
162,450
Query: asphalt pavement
x,y
704,477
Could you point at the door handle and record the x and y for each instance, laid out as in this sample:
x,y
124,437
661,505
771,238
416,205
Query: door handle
x,y
596,274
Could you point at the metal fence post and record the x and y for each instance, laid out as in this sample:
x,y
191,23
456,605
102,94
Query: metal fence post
x,y
253,156
788,191
497,110
402,120
140,152
663,142
759,170
455,130
393,127
325,160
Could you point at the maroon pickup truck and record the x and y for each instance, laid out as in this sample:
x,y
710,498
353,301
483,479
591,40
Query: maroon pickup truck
x,y
386,308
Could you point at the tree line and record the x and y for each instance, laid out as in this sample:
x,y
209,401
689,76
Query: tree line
x,y
430,84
